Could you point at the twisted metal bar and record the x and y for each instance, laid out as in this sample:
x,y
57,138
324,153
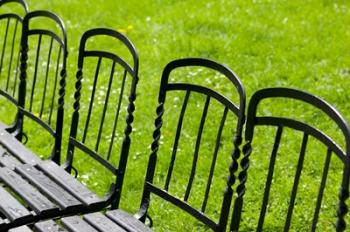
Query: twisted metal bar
x,y
62,91
231,179
23,75
129,118
156,133
125,150
142,214
242,176
77,94
75,118
22,90
342,209
60,114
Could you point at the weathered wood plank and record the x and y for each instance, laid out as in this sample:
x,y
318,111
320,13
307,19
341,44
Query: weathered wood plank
x,y
127,221
39,203
69,183
11,208
7,159
17,149
48,226
77,224
21,229
2,150
48,186
102,223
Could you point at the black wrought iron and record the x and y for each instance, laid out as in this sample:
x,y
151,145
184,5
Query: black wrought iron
x,y
308,131
130,72
21,2
26,92
9,56
228,107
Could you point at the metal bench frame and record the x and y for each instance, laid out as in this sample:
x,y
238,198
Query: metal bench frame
x,y
237,110
11,94
309,131
130,71
25,111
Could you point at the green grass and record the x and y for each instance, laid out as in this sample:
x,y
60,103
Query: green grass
x,y
299,44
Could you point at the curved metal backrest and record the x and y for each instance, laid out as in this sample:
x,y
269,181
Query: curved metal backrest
x,y
282,122
21,2
10,48
75,142
50,95
228,107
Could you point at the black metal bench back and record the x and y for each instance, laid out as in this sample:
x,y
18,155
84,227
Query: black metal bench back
x,y
281,124
41,94
225,108
10,50
21,2
113,86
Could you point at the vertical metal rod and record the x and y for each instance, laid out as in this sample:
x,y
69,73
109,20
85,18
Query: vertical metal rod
x,y
269,178
213,162
55,84
195,155
35,72
105,107
117,115
4,45
16,75
176,141
46,77
321,190
92,98
296,183
11,56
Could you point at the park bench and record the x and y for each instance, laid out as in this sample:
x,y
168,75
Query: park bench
x,y
40,195
119,220
33,189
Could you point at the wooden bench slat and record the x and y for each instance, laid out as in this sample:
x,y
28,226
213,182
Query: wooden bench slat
x,y
2,150
48,186
21,229
102,223
39,203
69,183
16,148
11,208
77,224
7,159
127,221
48,226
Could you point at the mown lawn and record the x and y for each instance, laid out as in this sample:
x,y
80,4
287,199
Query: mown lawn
x,y
299,44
